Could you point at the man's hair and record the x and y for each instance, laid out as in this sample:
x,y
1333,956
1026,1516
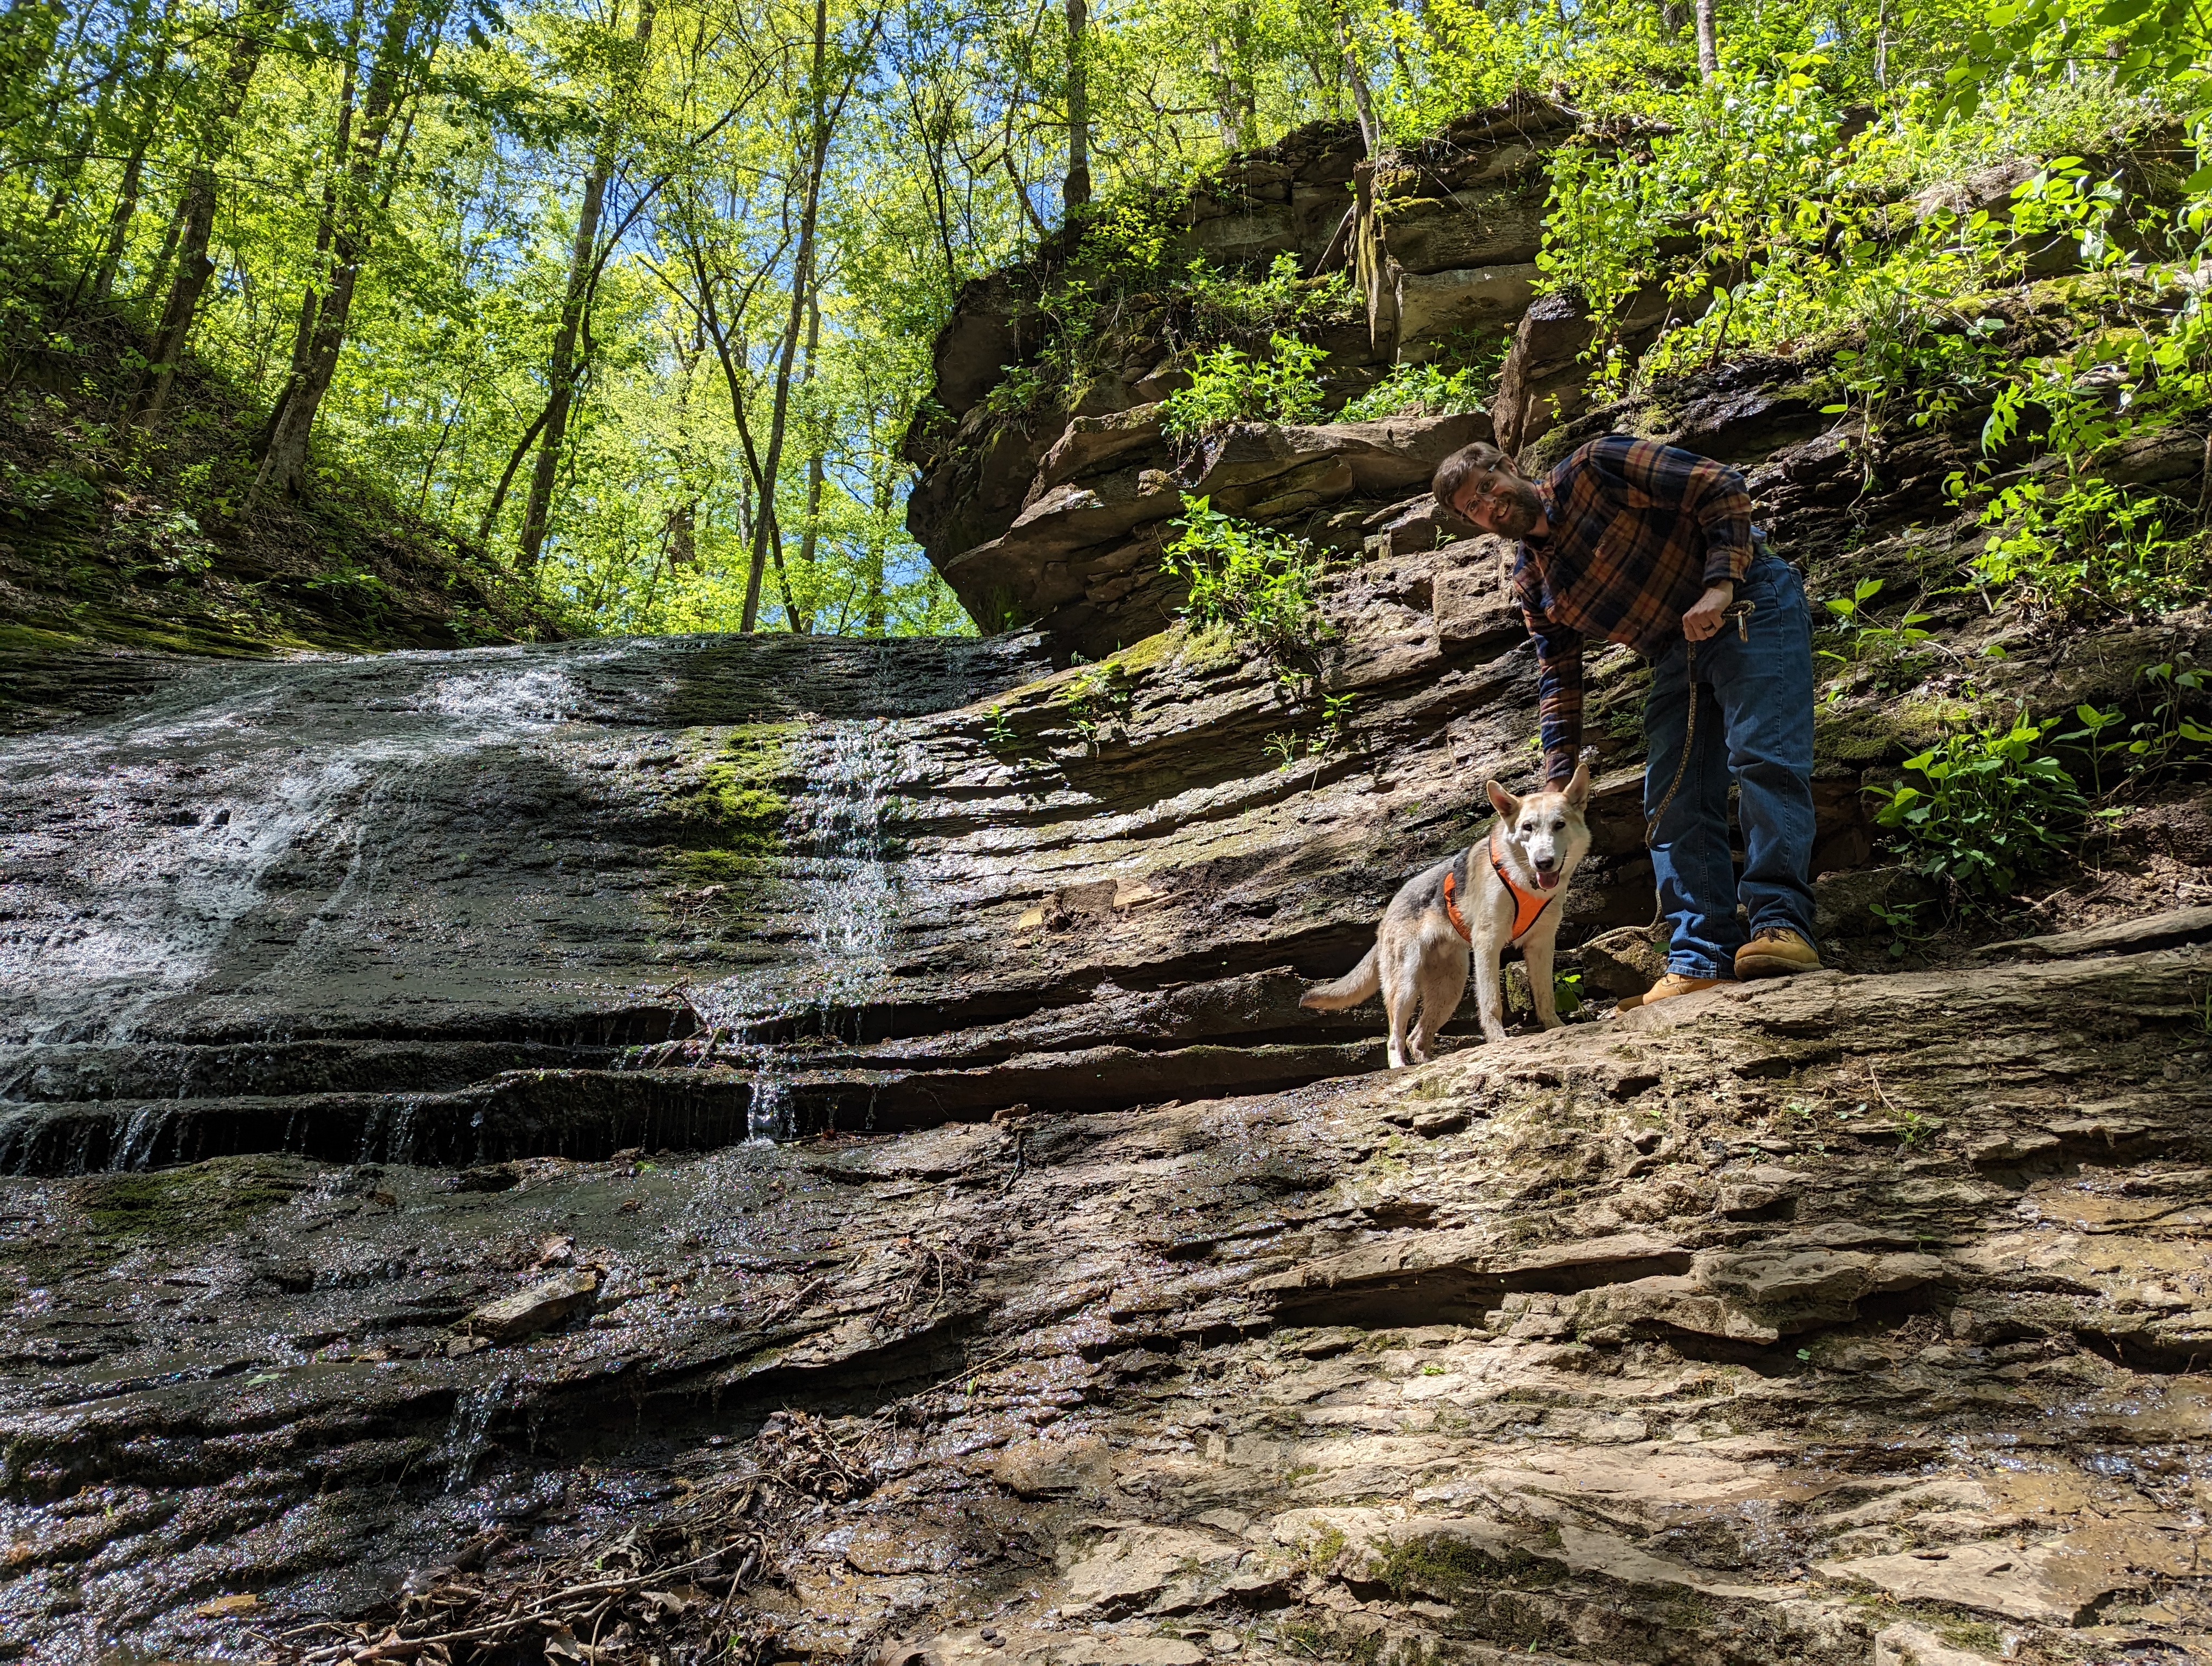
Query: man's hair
x,y
1463,464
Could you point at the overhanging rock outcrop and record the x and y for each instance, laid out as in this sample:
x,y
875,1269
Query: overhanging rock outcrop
x,y
1052,514
1081,559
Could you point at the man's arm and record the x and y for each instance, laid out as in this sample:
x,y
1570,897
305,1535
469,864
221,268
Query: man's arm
x,y
1651,476
1559,672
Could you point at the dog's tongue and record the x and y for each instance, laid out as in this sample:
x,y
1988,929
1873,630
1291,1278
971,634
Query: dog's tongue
x,y
1547,882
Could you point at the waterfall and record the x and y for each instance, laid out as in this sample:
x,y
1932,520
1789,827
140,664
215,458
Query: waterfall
x,y
289,905
848,885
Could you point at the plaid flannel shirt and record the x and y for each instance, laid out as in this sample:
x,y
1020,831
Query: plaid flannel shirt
x,y
1638,531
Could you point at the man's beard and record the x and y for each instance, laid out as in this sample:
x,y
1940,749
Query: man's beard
x,y
1515,508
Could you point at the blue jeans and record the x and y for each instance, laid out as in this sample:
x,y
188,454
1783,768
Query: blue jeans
x,y
1756,724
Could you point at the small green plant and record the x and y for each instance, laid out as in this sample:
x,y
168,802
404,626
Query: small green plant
x,y
1097,698
1993,808
996,727
1862,640
1022,389
1230,304
1418,390
1228,385
1335,734
1903,922
1567,992
2167,732
2093,724
2170,730
1913,1128
1259,583
2086,546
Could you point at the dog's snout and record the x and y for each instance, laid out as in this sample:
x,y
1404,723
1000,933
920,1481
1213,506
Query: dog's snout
x,y
1546,862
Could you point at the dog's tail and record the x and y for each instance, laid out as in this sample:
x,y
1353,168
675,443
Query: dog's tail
x,y
1354,987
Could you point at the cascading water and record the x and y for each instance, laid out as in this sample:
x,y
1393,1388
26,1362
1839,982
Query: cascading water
x,y
847,893
347,906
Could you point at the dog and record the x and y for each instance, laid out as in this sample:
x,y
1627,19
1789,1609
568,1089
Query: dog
x,y
1507,890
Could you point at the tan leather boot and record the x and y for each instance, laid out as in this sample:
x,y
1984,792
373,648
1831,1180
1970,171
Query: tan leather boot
x,y
1776,952
1675,983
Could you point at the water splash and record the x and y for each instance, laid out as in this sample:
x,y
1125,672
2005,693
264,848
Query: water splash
x,y
469,1432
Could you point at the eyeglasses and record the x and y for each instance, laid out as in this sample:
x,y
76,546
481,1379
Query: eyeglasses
x,y
1495,488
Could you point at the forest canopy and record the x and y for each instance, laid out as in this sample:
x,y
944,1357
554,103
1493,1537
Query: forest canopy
x,y
639,295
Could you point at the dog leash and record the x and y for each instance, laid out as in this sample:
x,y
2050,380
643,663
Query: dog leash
x,y
1740,612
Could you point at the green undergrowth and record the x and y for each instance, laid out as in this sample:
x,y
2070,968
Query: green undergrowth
x,y
1262,585
112,534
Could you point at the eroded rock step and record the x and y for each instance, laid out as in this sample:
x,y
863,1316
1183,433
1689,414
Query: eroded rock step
x,y
587,1114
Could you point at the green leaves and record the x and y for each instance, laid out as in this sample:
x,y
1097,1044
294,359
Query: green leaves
x,y
2140,43
1992,808
1228,387
1257,582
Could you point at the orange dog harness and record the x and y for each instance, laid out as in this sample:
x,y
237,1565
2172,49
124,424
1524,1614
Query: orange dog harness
x,y
1528,906
1451,907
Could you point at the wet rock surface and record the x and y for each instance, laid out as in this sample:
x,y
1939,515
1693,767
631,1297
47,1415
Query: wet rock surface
x,y
1098,1295
1265,1376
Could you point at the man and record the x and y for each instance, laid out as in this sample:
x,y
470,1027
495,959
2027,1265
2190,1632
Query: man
x,y
1634,542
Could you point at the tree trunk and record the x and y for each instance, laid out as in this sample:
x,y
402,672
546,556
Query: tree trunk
x,y
195,218
1709,48
303,334
810,539
1077,191
802,283
563,367
1370,131
284,449
878,609
118,223
799,623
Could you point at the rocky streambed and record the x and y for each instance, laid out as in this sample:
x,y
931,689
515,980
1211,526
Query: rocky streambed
x,y
629,1147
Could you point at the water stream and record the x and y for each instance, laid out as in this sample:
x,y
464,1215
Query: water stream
x,y
296,902
849,883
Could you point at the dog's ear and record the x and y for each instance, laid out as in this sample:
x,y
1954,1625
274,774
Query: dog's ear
x,y
1501,801
1577,788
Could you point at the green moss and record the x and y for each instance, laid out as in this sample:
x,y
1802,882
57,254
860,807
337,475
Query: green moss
x,y
739,809
1320,1551
199,1201
1313,1642
1451,1569
1156,649
1883,730
1973,1634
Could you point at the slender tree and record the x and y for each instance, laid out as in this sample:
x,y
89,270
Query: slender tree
x,y
825,111
193,224
563,367
361,191
1077,191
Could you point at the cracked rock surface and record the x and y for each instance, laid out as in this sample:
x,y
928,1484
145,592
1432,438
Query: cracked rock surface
x,y
1676,1348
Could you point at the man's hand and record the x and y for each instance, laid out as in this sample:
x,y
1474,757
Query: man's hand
x,y
1703,619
